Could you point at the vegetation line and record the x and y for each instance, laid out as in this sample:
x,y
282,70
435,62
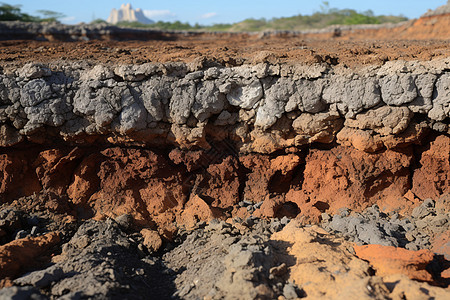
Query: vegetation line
x,y
325,17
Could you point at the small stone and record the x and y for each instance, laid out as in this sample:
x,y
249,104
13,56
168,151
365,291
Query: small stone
x,y
285,220
237,220
124,221
258,205
249,222
34,230
439,221
247,203
152,240
290,291
429,203
421,224
344,212
326,217
275,226
21,234
279,271
140,272
409,236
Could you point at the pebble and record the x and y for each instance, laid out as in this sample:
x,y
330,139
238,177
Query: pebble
x,y
124,221
248,203
34,230
290,291
21,234
285,220
258,205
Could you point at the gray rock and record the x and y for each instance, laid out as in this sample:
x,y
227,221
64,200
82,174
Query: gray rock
x,y
246,95
34,92
10,218
155,94
398,89
125,221
41,279
183,98
133,116
33,71
208,101
269,112
133,72
34,230
290,291
441,102
100,106
352,95
21,293
310,93
99,72
53,112
423,210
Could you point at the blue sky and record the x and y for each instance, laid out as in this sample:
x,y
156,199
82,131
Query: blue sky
x,y
223,11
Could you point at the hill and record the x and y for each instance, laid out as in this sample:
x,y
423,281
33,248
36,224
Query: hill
x,y
325,17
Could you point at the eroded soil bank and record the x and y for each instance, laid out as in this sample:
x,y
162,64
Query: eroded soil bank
x,y
200,168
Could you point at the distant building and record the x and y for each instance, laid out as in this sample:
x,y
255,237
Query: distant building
x,y
127,14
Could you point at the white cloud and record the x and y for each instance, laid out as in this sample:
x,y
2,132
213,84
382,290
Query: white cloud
x,y
159,14
68,19
209,15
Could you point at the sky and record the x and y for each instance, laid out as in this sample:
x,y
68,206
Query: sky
x,y
207,12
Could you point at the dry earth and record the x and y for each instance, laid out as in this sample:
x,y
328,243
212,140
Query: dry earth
x,y
324,196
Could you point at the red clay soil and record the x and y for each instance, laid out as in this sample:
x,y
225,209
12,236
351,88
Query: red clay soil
x,y
155,188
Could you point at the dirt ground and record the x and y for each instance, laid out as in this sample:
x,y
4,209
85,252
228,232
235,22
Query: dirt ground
x,y
422,39
230,51
361,255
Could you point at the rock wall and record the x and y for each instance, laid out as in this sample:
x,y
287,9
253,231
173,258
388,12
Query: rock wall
x,y
157,140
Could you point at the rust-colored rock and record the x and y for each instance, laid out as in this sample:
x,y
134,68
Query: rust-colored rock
x,y
387,260
54,168
192,160
222,183
345,177
85,180
197,210
432,179
17,177
268,175
136,182
19,255
152,240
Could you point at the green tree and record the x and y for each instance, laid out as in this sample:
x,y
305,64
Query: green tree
x,y
13,13
50,16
